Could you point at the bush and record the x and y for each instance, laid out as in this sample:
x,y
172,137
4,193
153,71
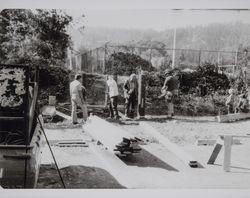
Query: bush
x,y
189,103
53,81
126,63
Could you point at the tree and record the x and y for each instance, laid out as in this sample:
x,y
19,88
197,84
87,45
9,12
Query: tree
x,y
37,37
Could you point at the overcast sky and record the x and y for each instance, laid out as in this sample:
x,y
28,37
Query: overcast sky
x,y
157,19
143,14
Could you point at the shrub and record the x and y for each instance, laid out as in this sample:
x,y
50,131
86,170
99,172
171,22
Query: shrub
x,y
126,63
53,81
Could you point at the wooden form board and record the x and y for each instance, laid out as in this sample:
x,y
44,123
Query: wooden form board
x,y
233,117
63,115
108,134
180,153
1,173
212,142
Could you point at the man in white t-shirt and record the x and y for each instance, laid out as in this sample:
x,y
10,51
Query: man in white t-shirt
x,y
77,98
113,95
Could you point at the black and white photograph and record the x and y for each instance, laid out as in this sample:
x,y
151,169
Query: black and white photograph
x,y
124,98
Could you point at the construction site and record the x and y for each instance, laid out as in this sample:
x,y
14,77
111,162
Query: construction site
x,y
200,145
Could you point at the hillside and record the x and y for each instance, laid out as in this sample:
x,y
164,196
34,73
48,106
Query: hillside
x,y
211,37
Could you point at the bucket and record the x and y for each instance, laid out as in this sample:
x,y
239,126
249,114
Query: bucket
x,y
52,100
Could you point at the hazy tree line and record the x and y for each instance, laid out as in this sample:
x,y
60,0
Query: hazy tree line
x,y
226,36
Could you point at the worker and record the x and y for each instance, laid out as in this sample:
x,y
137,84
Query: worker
x,y
113,96
243,104
130,93
230,102
78,98
170,90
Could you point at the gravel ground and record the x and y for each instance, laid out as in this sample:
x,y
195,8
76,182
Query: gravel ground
x,y
187,132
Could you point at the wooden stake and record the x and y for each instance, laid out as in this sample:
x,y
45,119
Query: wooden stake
x,y
227,152
216,151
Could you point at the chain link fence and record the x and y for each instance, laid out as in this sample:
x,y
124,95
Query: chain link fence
x,y
97,60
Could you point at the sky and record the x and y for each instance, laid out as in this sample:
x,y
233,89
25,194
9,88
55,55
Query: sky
x,y
156,19
143,14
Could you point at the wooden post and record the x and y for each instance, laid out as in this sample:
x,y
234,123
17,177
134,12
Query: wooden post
x,y
218,58
235,61
200,58
105,57
227,152
1,173
97,60
141,94
174,43
106,92
84,79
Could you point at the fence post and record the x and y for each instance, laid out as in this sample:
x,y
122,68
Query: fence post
x,y
200,58
141,94
235,61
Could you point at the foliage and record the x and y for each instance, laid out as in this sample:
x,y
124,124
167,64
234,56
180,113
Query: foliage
x,y
53,81
243,55
34,37
205,75
37,38
126,64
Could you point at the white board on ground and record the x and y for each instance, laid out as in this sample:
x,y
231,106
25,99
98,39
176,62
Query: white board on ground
x,y
108,134
181,154
233,117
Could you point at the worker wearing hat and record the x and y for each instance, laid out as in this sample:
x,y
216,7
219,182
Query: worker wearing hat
x,y
77,94
170,90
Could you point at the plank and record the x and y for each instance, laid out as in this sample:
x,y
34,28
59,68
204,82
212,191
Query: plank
x,y
71,145
216,151
2,118
63,115
108,134
233,117
32,109
205,142
180,153
212,142
1,173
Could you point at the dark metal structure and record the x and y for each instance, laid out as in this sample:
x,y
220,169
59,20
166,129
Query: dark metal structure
x,y
20,132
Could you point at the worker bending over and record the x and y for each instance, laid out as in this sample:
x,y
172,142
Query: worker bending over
x,y
170,90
